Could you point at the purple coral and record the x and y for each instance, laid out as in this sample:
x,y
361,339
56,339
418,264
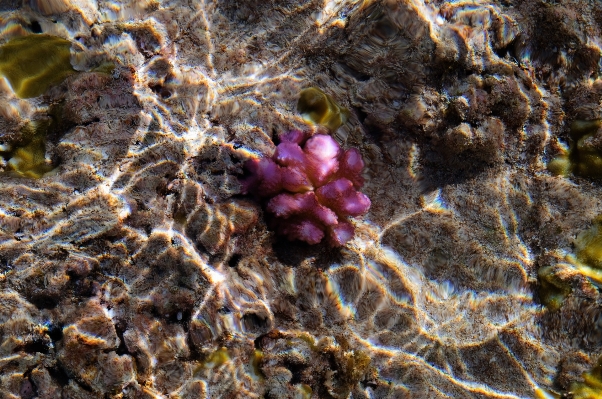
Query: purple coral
x,y
309,192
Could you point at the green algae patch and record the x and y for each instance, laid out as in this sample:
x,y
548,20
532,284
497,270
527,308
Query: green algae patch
x,y
588,245
217,358
28,157
560,166
554,281
255,365
32,64
584,158
320,108
591,386
304,391
552,290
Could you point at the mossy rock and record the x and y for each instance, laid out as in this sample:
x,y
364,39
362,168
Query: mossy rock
x,y
319,108
32,64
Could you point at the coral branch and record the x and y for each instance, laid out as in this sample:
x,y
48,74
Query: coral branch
x,y
309,191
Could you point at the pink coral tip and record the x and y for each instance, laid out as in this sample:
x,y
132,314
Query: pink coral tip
x,y
322,158
333,191
341,196
323,214
295,180
341,233
294,136
265,177
355,204
285,205
351,167
288,154
322,147
304,230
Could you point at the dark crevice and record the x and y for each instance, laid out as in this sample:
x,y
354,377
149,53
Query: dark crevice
x,y
160,90
293,253
35,27
5,265
224,310
58,374
501,52
234,259
44,301
185,315
122,348
361,114
297,372
35,346
253,322
55,332
372,131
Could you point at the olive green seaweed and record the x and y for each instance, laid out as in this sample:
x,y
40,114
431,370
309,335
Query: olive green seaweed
x,y
588,245
34,63
552,291
28,157
321,109
584,157
591,386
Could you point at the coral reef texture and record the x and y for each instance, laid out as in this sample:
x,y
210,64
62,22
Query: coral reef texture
x,y
139,257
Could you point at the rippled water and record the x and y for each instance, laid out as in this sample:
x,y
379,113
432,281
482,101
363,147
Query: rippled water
x,y
133,265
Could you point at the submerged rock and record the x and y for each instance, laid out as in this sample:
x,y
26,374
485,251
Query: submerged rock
x,y
138,268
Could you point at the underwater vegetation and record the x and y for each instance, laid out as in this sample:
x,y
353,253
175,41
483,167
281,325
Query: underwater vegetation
x,y
586,261
588,252
28,158
320,108
552,290
591,386
310,187
32,64
584,158
588,245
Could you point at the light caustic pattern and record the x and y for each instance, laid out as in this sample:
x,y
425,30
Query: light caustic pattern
x,y
138,252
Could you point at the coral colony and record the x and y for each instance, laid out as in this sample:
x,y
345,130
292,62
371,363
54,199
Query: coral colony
x,y
309,192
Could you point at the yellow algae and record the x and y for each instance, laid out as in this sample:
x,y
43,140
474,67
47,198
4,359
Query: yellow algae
x,y
28,158
588,245
560,166
304,390
580,128
541,393
591,387
34,63
552,290
320,108
584,157
255,363
217,358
